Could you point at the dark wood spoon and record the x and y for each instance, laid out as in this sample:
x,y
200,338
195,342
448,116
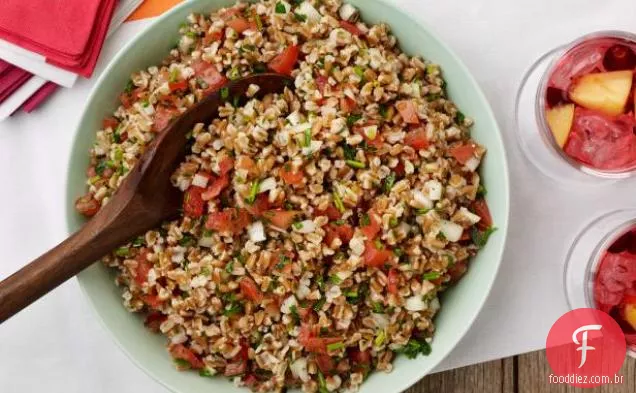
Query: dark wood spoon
x,y
145,198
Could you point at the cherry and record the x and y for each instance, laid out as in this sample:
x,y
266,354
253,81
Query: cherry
x,y
619,57
555,96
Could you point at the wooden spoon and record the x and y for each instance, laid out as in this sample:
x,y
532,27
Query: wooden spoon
x,y
145,199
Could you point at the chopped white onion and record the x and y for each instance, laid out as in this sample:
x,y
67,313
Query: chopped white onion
x,y
206,242
472,164
381,320
256,232
218,144
452,232
415,303
300,128
348,12
288,303
470,216
434,305
306,226
200,181
307,9
267,185
421,201
433,189
294,118
314,146
299,369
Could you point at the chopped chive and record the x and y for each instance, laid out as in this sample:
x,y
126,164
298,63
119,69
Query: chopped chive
x,y
187,240
294,312
229,268
459,118
225,93
322,384
337,201
94,179
122,252
204,372
393,222
129,86
420,212
351,119
138,242
398,251
378,308
359,71
481,238
251,198
297,225
355,164
334,279
450,260
119,154
335,346
431,276
318,305
380,338
300,17
280,8
339,222
206,271
233,309
320,281
384,111
235,73
365,220
182,363
259,22
349,152
207,233
378,244
388,182
308,137
481,191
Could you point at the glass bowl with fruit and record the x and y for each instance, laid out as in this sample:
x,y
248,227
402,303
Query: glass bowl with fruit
x,y
601,270
575,109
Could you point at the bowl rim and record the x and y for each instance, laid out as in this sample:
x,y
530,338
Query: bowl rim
x,y
400,384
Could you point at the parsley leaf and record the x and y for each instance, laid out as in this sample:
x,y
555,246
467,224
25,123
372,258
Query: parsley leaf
x,y
481,238
415,347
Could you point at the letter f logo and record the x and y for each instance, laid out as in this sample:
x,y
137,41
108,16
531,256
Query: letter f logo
x,y
584,347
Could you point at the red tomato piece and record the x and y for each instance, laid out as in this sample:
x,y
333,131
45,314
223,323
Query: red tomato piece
x,y
250,290
235,368
374,256
163,116
215,187
241,24
87,205
343,232
417,139
154,320
481,209
331,212
371,228
408,111
347,104
230,220
360,357
209,74
181,85
463,153
210,38
250,381
284,62
393,280
281,218
291,177
180,351
457,271
322,82
246,163
226,165
260,206
193,203
143,267
308,338
110,122
351,28
126,100
152,300
399,169
325,363
629,299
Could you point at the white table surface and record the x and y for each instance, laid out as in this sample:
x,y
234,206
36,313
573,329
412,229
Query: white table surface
x,y
57,344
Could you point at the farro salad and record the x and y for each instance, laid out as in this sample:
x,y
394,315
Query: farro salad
x,y
319,225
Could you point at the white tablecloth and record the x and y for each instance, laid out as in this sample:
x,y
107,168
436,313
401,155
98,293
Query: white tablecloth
x,y
57,345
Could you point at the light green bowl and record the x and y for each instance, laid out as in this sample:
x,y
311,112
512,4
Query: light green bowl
x,y
460,305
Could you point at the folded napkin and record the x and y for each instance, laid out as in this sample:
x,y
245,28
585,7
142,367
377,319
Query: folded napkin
x,y
36,99
11,79
69,33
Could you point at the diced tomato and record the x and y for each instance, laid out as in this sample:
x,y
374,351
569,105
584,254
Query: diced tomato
x,y
215,187
245,163
375,142
359,357
347,104
193,203
235,368
343,232
331,212
154,320
281,218
629,299
250,381
241,24
181,85
417,139
465,236
180,351
393,280
375,257
250,290
371,228
457,271
321,82
291,177
87,205
312,343
284,62
209,74
304,312
325,363
210,38
481,209
408,111
399,169
260,205
232,220
226,165
163,116
152,300
229,13
126,100
110,122
463,153
351,28
143,267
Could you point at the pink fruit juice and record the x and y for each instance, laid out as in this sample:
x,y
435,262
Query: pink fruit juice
x,y
589,103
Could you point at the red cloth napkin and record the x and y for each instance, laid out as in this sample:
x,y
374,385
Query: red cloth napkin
x,y
69,33
39,96
11,79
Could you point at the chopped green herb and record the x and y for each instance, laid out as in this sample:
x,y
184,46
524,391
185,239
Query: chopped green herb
x,y
259,22
384,110
122,252
321,62
322,384
393,222
359,71
182,363
429,276
459,118
441,236
334,279
119,154
174,75
102,165
414,347
378,244
225,93
297,225
294,313
251,198
351,119
355,164
259,68
129,86
320,281
349,152
388,182
300,17
288,205
377,307
206,271
229,268
335,346
339,222
420,212
235,101
307,137
431,69
234,74
450,260
432,97
94,179
481,191
380,338
481,238
191,34
318,305
248,47
365,220
207,233
337,201
204,372
138,242
187,240
280,8
233,309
